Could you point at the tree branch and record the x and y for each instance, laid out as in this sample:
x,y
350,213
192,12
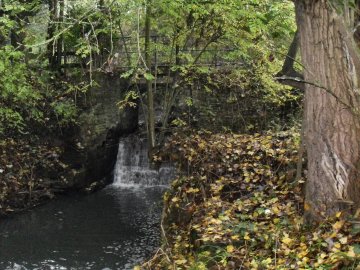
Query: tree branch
x,y
299,81
288,70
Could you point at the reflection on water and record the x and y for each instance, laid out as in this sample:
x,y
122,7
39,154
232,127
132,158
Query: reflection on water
x,y
111,229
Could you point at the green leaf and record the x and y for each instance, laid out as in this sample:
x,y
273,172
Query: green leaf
x,y
357,249
149,77
127,74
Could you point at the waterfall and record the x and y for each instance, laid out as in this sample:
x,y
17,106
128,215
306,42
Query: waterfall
x,y
132,165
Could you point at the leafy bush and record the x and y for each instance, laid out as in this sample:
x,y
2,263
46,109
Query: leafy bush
x,y
19,99
244,99
27,98
65,111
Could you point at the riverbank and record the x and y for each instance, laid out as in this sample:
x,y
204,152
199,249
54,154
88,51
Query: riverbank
x,y
31,173
239,206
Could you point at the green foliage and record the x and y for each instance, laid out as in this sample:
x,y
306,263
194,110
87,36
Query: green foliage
x,y
249,41
66,112
18,98
130,100
149,76
28,99
241,99
127,74
341,5
10,121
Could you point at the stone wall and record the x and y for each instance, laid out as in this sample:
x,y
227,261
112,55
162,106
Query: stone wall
x,y
91,147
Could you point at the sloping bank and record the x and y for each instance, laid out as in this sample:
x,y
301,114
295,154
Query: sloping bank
x,y
238,207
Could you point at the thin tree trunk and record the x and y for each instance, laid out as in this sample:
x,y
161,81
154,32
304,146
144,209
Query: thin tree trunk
x,y
59,49
288,75
170,94
104,52
332,123
150,93
51,32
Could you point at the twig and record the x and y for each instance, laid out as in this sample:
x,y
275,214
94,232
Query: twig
x,y
276,247
299,80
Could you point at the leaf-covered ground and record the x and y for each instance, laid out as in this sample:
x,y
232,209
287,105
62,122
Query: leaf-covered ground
x,y
239,207
27,173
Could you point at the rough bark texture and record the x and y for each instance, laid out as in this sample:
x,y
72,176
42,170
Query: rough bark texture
x,y
332,126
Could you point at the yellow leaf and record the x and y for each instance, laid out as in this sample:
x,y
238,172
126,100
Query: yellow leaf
x,y
192,190
230,248
338,225
302,254
202,145
267,261
275,209
323,255
175,199
137,267
254,264
307,206
215,221
247,237
180,262
276,220
286,239
351,252
343,240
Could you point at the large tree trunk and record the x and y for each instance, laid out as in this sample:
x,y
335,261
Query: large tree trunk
x,y
332,122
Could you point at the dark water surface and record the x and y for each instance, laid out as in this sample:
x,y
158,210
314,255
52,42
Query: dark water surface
x,y
112,229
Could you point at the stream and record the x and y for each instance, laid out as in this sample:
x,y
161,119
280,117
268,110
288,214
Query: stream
x,y
115,228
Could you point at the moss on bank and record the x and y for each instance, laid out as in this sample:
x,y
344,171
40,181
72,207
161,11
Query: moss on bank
x,y
238,207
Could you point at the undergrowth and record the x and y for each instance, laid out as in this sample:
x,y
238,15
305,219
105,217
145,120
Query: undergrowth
x,y
27,172
238,206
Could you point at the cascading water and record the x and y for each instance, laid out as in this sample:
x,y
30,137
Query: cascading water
x,y
113,229
132,165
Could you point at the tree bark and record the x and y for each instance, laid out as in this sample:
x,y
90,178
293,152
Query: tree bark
x,y
331,116
150,93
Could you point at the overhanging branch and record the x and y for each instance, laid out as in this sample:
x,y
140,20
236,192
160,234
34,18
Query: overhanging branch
x,y
300,81
288,70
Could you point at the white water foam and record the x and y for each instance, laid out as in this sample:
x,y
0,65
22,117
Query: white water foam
x,y
132,166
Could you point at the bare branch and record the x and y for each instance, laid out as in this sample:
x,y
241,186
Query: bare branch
x,y
288,70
